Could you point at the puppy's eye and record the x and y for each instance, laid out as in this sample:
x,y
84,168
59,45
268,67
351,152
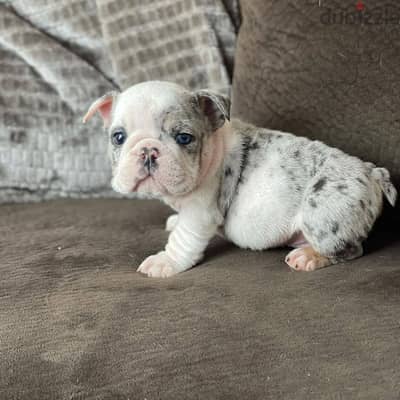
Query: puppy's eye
x,y
118,137
183,138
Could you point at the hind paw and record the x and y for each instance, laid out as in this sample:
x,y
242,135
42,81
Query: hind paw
x,y
306,259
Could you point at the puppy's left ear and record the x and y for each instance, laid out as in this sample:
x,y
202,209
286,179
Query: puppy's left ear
x,y
215,107
104,106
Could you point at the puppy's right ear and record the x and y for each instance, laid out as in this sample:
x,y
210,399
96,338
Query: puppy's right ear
x,y
104,106
215,107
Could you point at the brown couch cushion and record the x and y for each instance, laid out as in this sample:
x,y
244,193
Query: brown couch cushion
x,y
77,322
298,69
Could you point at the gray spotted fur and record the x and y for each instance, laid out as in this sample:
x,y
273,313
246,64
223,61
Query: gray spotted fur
x,y
338,196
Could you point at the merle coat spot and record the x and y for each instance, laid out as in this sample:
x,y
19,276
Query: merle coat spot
x,y
335,227
312,203
244,158
361,181
309,227
319,185
254,146
228,171
342,188
291,176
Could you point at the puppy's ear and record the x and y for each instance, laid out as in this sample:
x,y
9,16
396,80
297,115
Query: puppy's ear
x,y
215,107
104,106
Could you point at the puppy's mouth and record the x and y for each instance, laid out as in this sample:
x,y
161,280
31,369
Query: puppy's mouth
x,y
140,181
149,184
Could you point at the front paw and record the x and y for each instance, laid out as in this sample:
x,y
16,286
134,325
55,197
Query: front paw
x,y
171,222
158,266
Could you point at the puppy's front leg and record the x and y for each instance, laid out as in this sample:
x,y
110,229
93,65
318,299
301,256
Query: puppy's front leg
x,y
171,223
185,247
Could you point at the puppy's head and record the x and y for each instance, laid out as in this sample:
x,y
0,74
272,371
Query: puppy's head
x,y
162,138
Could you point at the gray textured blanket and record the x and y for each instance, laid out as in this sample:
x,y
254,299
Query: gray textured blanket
x,y
56,57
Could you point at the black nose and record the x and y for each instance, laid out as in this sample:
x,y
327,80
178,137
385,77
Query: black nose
x,y
149,157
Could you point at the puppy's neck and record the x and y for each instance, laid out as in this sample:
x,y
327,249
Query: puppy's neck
x,y
235,161
213,156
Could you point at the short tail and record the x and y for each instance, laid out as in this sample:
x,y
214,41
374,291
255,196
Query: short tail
x,y
382,176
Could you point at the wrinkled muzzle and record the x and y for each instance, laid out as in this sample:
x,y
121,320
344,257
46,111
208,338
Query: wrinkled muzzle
x,y
148,166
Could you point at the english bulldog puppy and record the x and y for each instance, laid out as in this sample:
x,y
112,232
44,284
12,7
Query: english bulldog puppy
x,y
262,188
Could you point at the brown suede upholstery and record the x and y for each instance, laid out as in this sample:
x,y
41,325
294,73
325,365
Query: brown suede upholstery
x,y
310,68
77,321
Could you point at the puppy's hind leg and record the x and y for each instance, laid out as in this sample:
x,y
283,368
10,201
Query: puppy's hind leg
x,y
334,233
304,257
309,258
